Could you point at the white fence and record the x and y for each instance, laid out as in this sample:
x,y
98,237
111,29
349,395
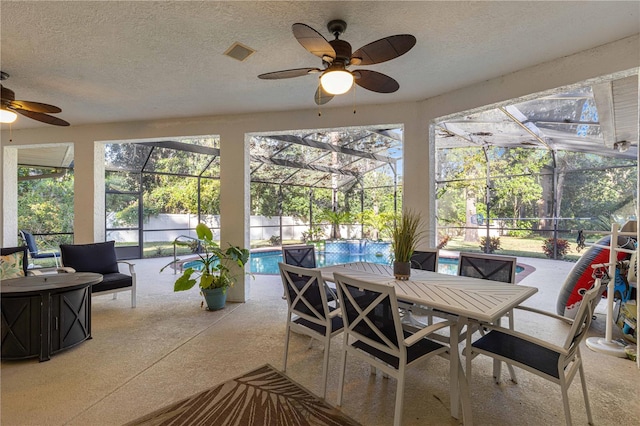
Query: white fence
x,y
167,227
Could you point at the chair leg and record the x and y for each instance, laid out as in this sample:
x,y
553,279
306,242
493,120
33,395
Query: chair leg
x,y
286,348
310,343
397,415
343,366
565,401
115,296
325,366
584,392
133,297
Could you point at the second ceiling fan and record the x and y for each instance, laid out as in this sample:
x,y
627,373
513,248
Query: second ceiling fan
x,y
337,57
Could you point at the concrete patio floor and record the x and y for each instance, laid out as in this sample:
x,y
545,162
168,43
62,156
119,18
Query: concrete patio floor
x,y
168,348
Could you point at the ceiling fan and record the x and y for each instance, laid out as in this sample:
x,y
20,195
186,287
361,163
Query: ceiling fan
x,y
34,110
336,55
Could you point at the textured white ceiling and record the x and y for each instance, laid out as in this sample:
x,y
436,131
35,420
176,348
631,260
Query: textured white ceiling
x,y
110,61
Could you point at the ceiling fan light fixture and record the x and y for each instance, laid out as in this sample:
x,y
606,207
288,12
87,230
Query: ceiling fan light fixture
x,y
7,116
336,82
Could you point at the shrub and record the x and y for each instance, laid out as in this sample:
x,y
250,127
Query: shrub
x,y
274,240
313,234
494,244
562,247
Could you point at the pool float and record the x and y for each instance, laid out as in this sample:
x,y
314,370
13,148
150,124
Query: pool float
x,y
580,279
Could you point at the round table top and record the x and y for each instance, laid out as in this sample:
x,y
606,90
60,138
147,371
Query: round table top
x,y
47,282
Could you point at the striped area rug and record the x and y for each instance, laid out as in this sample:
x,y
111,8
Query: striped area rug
x,y
264,396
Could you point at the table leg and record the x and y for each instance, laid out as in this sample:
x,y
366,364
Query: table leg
x,y
459,387
45,326
454,380
497,365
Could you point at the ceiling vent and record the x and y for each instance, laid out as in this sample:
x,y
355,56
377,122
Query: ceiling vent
x,y
239,51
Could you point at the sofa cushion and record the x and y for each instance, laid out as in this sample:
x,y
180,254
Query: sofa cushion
x,y
97,257
112,282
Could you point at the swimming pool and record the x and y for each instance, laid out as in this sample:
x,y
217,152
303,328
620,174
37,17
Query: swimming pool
x,y
267,262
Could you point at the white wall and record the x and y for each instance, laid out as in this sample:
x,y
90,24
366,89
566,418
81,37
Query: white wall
x,y
415,116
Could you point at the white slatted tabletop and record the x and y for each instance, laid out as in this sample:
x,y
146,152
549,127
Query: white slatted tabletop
x,y
482,300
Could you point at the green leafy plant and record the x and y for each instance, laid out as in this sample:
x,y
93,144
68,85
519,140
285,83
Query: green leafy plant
x,y
313,234
406,234
377,224
275,240
212,270
335,219
561,250
494,244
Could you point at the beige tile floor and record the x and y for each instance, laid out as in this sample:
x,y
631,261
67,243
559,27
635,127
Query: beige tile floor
x,y
168,348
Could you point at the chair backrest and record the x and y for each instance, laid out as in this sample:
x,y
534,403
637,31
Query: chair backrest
x,y
427,260
370,314
583,317
488,267
305,291
97,257
13,260
30,241
299,255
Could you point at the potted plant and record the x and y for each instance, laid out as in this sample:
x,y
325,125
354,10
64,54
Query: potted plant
x,y
212,270
405,236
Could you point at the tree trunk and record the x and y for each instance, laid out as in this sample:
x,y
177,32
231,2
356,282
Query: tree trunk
x,y
471,232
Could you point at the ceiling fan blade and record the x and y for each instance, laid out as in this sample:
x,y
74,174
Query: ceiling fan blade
x,y
375,81
35,107
38,116
383,50
313,41
296,72
322,96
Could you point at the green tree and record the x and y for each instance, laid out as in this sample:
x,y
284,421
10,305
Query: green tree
x,y
45,205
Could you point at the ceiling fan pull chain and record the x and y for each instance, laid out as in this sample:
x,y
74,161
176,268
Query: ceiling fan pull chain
x,y
354,98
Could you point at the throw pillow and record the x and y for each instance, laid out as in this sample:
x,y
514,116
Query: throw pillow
x,y
11,266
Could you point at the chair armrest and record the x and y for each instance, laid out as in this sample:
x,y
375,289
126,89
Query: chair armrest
x,y
527,337
65,270
130,265
545,313
33,272
424,332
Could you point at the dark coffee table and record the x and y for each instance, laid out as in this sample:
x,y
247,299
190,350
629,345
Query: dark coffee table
x,y
44,314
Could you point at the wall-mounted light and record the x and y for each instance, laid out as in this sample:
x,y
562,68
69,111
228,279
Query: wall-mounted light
x,y
336,81
7,116
622,146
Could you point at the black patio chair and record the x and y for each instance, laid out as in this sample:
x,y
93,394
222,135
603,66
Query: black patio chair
x,y
556,363
373,333
491,267
308,311
426,260
303,256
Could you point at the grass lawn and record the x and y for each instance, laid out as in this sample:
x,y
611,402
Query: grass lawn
x,y
525,247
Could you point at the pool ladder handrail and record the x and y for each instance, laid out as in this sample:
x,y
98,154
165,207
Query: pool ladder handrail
x,y
176,242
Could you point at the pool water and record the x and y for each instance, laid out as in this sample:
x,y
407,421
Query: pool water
x,y
267,262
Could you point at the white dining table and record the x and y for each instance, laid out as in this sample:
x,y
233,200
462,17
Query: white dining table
x,y
466,298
